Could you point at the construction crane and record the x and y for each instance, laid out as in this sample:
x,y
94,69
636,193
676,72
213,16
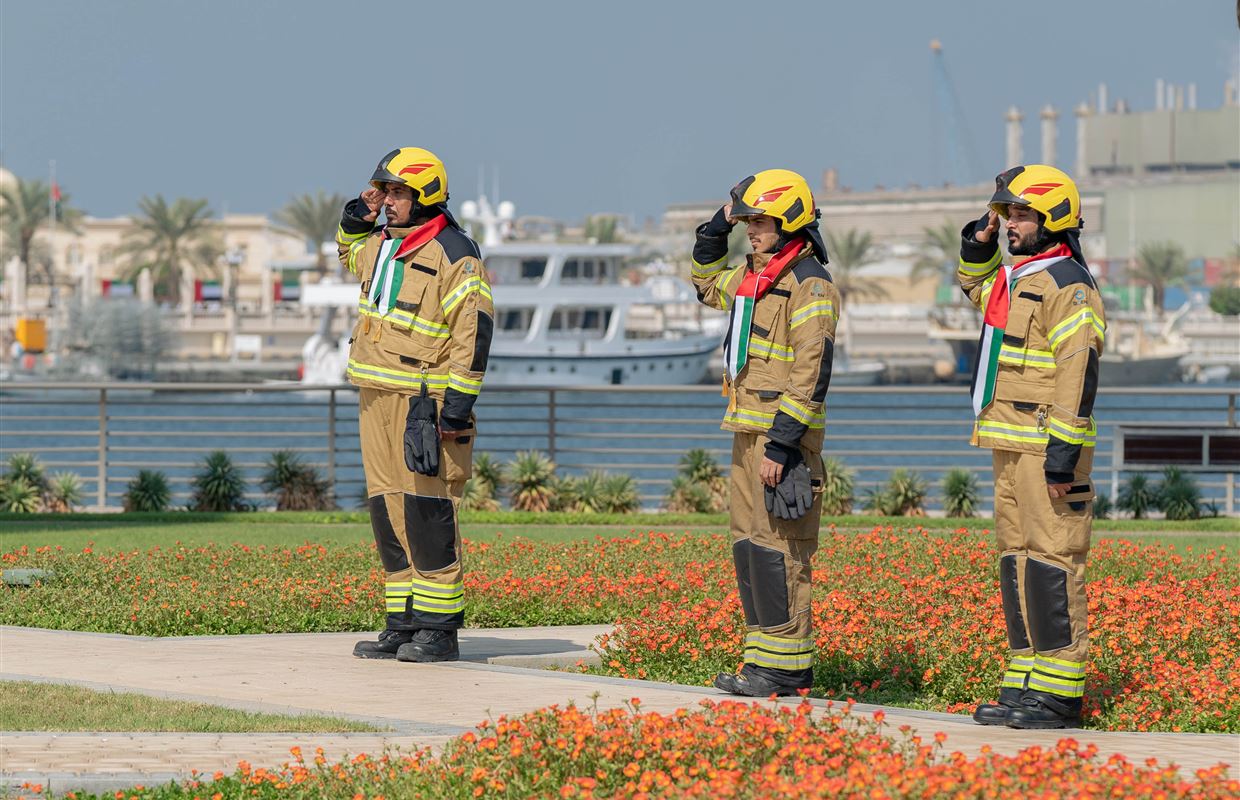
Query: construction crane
x,y
952,138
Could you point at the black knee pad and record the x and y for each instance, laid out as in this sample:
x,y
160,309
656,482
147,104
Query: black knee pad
x,y
769,580
390,552
430,525
740,557
1009,588
1046,602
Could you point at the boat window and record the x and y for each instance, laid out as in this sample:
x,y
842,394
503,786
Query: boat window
x,y
532,268
513,321
586,270
571,269
583,321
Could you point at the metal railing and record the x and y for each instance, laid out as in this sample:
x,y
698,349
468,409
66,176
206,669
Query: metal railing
x,y
106,433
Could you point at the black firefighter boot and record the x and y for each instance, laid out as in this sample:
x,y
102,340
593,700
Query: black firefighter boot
x,y
1039,710
389,642
429,645
997,713
758,682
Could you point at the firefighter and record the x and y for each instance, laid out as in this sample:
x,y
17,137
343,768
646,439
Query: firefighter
x,y
777,353
1033,396
417,356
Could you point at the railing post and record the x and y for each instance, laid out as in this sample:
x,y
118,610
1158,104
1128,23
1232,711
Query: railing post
x,y
331,438
551,424
102,492
1231,410
1231,476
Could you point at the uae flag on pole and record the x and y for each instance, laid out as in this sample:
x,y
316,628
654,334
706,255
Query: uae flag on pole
x,y
56,198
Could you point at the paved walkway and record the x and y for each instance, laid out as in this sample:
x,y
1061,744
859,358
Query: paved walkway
x,y
502,672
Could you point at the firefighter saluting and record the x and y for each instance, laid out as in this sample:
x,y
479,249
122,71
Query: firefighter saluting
x,y
418,356
1033,394
778,353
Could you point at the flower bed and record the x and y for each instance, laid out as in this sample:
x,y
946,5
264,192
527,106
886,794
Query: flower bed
x,y
907,618
721,750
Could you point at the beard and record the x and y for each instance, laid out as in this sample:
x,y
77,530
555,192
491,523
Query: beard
x,y
1028,245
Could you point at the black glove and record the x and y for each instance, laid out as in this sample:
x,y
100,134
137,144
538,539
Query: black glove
x,y
793,496
422,436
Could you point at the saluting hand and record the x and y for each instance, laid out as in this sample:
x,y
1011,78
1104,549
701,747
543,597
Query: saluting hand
x,y
373,198
727,214
992,227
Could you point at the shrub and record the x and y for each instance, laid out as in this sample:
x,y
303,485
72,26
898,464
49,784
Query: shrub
x,y
147,492
1137,497
1225,300
904,495
1102,506
837,488
26,467
296,486
219,485
1178,495
531,476
64,491
618,494
687,496
19,497
700,466
961,497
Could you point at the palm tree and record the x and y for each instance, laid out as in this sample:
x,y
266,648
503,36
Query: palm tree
x,y
23,211
166,238
314,217
849,252
939,247
1160,265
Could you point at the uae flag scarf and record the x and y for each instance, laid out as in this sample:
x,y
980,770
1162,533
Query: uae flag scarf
x,y
390,273
995,320
753,286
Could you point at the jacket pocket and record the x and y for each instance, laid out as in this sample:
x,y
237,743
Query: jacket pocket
x,y
458,457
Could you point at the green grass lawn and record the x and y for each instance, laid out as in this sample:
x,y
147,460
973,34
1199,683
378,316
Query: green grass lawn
x,y
28,706
142,531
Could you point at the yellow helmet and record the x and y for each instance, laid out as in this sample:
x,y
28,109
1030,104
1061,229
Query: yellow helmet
x,y
420,170
778,193
1046,190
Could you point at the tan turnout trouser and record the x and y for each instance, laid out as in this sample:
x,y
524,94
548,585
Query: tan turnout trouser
x,y
772,559
1043,546
414,517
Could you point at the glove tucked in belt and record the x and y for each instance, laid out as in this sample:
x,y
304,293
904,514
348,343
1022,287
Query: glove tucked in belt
x,y
793,496
422,435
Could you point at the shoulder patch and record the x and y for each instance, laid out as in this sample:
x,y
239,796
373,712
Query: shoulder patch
x,y
1067,272
456,245
808,268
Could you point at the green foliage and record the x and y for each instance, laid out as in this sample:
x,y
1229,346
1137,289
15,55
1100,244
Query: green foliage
x,y
700,485
1160,265
618,494
1103,507
488,470
64,491
961,497
531,476
1137,497
295,485
837,488
314,218
165,237
148,492
24,211
850,250
1178,495
601,228
481,491
219,485
904,495
1225,300
26,467
938,252
19,497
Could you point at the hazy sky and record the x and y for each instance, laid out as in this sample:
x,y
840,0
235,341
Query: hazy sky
x,y
582,106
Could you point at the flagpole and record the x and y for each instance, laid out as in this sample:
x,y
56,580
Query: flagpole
x,y
51,230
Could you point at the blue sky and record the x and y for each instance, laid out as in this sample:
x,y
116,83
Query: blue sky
x,y
582,106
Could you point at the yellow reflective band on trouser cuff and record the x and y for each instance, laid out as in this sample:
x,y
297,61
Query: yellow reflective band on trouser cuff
x,y
973,270
768,349
474,284
803,414
464,384
1012,433
1026,357
1073,324
1085,435
395,377
1017,673
1062,687
706,270
404,319
777,652
395,593
1060,668
438,597
818,308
